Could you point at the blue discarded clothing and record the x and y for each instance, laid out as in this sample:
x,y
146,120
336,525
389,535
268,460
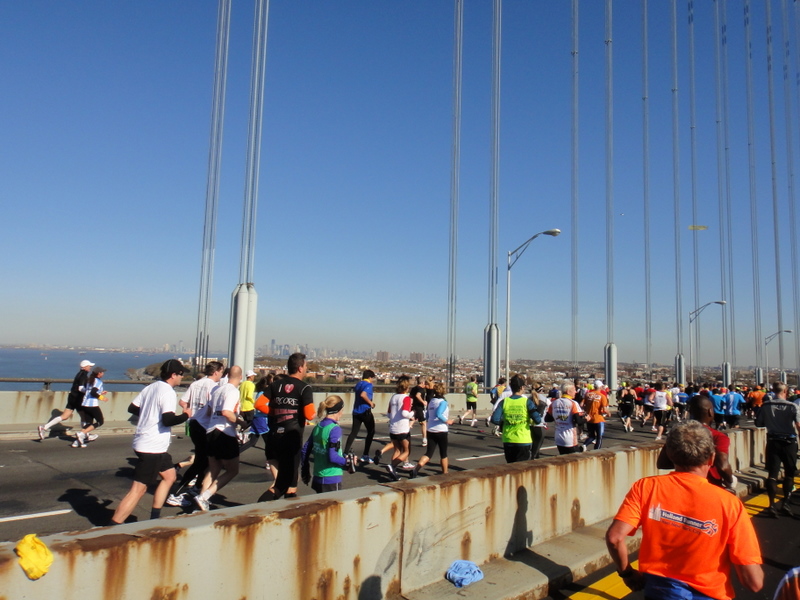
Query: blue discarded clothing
x,y
463,572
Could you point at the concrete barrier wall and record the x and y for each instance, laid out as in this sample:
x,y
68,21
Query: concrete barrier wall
x,y
365,543
27,407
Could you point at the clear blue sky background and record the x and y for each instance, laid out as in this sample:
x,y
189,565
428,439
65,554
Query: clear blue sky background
x,y
106,115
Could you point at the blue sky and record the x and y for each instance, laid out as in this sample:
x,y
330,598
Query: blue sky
x,y
106,117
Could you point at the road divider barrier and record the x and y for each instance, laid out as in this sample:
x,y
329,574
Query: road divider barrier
x,y
381,541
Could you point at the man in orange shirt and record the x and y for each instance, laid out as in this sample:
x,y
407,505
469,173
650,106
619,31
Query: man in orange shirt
x,y
595,405
755,400
692,531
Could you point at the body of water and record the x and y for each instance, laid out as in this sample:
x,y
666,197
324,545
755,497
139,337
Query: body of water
x,y
64,364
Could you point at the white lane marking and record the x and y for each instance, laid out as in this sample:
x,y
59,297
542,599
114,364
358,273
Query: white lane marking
x,y
51,513
481,456
495,455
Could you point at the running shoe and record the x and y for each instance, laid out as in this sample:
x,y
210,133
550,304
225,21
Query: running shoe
x,y
42,432
406,466
473,423
460,419
377,458
92,437
76,444
193,482
366,459
179,500
424,441
413,474
392,474
202,503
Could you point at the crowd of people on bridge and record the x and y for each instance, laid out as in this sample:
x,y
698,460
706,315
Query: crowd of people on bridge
x,y
228,410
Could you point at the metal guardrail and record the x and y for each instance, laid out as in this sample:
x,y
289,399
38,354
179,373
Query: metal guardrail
x,y
47,382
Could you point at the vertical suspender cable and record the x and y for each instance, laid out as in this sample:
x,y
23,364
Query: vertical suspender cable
x,y
454,191
254,131
646,191
773,160
751,155
728,201
787,103
723,269
676,181
212,182
693,138
494,202
609,176
575,163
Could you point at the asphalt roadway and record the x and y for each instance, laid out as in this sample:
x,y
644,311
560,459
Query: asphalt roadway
x,y
49,487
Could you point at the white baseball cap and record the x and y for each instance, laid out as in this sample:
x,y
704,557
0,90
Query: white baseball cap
x,y
250,373
86,363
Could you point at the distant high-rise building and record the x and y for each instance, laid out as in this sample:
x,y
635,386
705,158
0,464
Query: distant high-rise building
x,y
382,356
417,357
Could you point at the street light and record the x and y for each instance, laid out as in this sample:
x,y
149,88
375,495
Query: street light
x,y
516,253
692,317
767,340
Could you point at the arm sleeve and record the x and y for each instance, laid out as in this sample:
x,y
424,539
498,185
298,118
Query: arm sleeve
x,y
406,409
334,441
497,415
262,404
305,453
168,419
533,413
133,408
441,410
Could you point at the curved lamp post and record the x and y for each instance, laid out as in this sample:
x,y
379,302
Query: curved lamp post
x,y
513,257
767,340
692,317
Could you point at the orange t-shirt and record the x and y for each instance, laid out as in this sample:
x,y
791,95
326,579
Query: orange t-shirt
x,y
757,396
595,404
692,531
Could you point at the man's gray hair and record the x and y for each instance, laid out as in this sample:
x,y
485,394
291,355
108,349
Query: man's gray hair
x,y
689,444
568,388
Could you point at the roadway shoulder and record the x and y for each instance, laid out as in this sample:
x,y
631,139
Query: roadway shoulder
x,y
537,571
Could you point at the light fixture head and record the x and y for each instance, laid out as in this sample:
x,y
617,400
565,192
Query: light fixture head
x,y
553,232
720,302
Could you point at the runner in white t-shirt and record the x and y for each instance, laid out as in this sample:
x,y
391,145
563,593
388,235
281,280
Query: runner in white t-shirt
x,y
155,406
222,417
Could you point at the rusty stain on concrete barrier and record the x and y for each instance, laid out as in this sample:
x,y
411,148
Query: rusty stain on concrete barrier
x,y
170,593
466,545
117,547
244,529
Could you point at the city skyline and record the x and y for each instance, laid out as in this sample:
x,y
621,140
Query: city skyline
x,y
107,121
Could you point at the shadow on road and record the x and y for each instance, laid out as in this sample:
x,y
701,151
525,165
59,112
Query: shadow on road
x,y
93,509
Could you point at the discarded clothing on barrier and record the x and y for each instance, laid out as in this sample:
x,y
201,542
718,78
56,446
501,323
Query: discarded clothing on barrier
x,y
463,572
35,557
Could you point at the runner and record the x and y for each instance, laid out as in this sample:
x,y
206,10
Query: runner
x,y
91,415
567,414
400,418
155,406
471,392
438,424
595,406
362,415
325,446
222,418
74,399
515,413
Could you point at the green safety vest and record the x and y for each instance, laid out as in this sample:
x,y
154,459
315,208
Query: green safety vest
x,y
516,429
322,466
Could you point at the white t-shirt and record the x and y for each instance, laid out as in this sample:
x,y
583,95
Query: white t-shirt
x,y
151,435
399,413
223,397
197,396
